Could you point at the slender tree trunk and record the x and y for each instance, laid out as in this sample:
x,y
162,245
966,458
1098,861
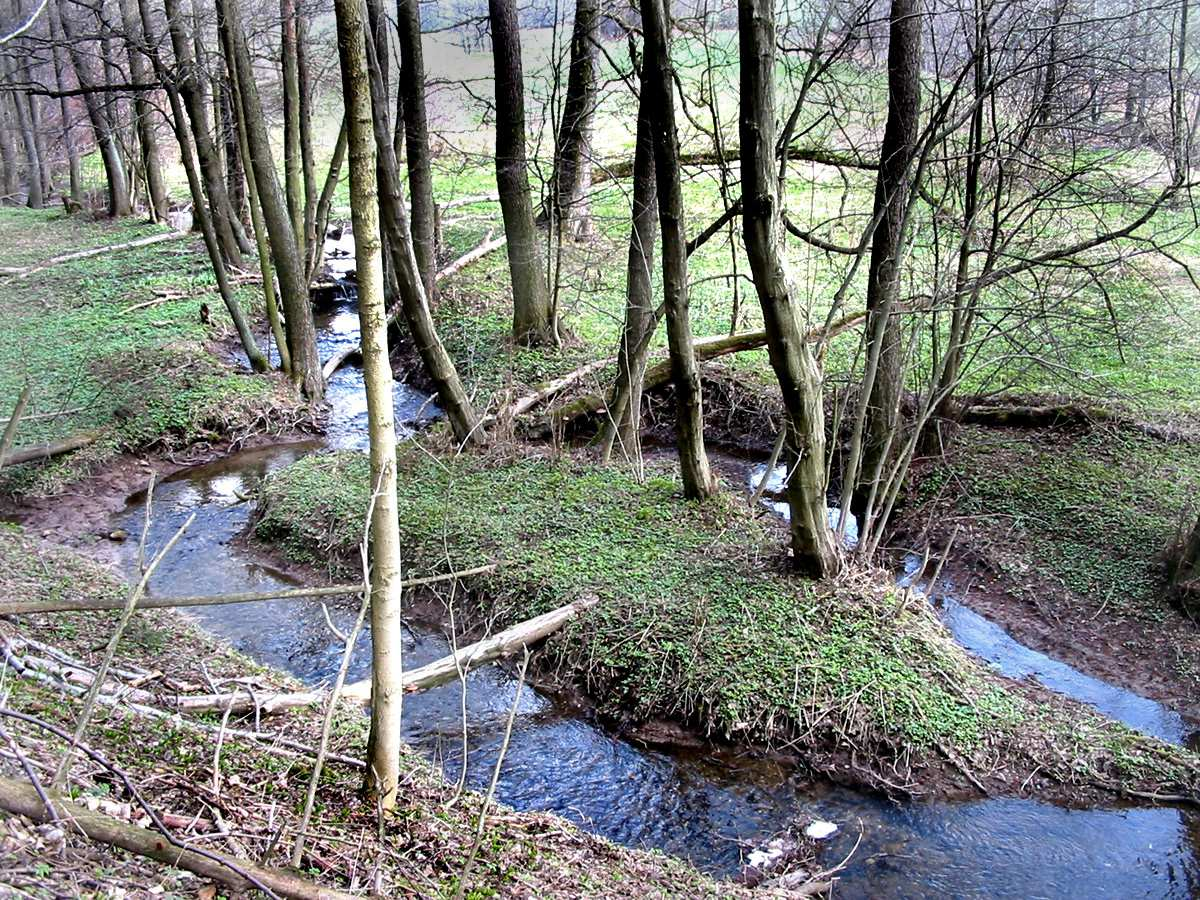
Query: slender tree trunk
x,y
289,266
156,186
415,305
33,159
230,234
882,392
258,361
292,161
106,139
572,164
657,82
622,429
533,319
325,202
308,163
416,141
265,266
10,182
231,152
813,549
75,170
387,695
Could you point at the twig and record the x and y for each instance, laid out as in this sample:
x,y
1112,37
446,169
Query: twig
x,y
491,792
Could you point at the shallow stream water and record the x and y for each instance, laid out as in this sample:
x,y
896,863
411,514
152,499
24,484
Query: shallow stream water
x,y
709,807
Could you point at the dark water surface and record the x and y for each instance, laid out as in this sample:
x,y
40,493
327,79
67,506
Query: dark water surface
x,y
708,807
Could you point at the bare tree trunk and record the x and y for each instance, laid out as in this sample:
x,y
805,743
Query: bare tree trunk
x,y
231,147
622,428
413,301
258,361
572,164
75,165
813,549
230,234
307,161
110,151
1050,73
657,83
265,266
33,158
144,112
533,318
292,163
325,202
387,695
289,267
10,183
881,393
416,141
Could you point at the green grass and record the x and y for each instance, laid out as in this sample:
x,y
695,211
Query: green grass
x,y
694,623
100,350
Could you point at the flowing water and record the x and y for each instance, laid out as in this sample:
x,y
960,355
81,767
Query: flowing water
x,y
710,807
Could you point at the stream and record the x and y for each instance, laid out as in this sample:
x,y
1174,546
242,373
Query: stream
x,y
709,807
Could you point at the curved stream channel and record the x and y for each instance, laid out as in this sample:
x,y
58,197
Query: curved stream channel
x,y
711,808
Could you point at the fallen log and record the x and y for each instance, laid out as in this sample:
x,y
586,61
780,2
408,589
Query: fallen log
x,y
26,271
1056,415
489,245
706,349
623,168
22,799
52,449
547,390
507,642
84,604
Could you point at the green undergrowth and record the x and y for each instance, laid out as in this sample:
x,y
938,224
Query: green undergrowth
x,y
258,789
696,625
101,349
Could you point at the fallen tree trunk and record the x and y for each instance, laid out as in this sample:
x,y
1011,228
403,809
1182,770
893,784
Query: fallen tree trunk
x,y
26,271
475,655
82,604
623,168
489,245
1052,415
706,349
22,799
48,451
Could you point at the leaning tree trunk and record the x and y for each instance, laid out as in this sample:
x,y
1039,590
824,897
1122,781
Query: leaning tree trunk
x,y
156,186
884,377
292,163
258,361
622,428
572,163
33,159
289,266
658,83
387,694
413,301
533,317
230,234
416,141
813,548
106,139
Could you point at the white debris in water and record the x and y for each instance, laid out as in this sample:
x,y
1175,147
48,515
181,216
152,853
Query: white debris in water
x,y
765,858
819,830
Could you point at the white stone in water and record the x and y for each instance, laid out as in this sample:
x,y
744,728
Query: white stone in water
x,y
765,858
819,830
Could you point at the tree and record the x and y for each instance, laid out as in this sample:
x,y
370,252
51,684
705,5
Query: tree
x,y
383,761
884,377
572,164
292,162
414,304
533,319
289,267
796,370
230,234
411,99
622,428
156,187
106,136
658,84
